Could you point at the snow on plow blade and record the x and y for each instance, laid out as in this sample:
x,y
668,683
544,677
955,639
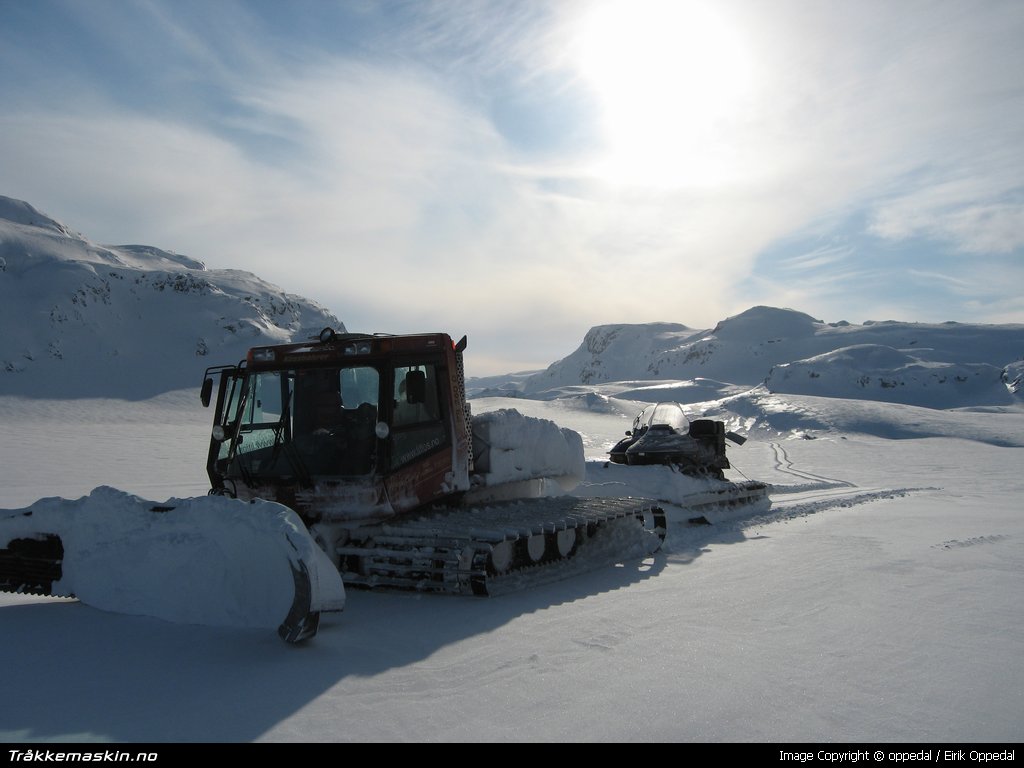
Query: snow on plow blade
x,y
208,560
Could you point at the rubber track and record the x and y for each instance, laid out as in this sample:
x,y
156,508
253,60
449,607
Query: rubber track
x,y
450,551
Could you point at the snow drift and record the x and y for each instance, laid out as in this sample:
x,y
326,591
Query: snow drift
x,y
878,372
510,447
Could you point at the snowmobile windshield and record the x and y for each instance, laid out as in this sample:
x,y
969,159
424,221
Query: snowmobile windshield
x,y
664,414
296,424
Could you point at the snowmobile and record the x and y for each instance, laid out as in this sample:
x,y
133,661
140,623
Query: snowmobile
x,y
662,434
369,441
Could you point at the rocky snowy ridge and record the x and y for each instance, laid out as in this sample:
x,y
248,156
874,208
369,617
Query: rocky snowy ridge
x,y
81,319
941,365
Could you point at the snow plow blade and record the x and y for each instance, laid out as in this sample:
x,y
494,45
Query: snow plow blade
x,y
208,560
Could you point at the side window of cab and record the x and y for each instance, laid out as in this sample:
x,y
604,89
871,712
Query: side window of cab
x,y
417,425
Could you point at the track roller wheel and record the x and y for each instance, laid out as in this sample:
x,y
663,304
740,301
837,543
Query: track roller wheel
x,y
501,557
358,563
565,542
536,545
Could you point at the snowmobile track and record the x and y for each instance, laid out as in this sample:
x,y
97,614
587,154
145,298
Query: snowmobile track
x,y
785,465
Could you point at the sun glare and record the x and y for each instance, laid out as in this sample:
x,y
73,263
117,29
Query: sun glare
x,y
671,77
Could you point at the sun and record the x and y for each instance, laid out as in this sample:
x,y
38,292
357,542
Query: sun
x,y
671,78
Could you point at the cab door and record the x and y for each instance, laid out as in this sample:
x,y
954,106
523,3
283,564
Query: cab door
x,y
419,454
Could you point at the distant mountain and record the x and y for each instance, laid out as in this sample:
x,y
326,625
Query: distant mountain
x,y
87,320
939,365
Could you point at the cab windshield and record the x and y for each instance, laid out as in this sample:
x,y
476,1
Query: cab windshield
x,y
295,425
299,423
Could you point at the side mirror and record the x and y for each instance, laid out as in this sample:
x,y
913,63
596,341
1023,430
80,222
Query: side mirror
x,y
206,391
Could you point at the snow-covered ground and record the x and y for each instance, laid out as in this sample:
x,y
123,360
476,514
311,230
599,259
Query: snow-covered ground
x,y
881,600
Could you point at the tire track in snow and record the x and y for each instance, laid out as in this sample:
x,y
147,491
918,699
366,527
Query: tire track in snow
x,y
820,492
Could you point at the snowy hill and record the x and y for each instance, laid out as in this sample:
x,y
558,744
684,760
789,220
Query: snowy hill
x,y
878,372
132,321
129,321
938,365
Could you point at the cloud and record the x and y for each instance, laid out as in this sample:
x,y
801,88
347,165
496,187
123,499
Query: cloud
x,y
397,180
130,176
981,213
816,259
379,191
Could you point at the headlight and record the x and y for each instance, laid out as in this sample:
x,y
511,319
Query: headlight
x,y
263,355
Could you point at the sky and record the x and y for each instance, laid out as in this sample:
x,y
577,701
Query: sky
x,y
521,171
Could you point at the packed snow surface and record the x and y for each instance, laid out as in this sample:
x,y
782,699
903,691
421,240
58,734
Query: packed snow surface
x,y
879,600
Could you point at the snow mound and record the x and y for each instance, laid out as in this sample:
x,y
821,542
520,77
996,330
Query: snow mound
x,y
509,447
146,257
209,560
20,212
611,353
767,324
878,372
762,415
